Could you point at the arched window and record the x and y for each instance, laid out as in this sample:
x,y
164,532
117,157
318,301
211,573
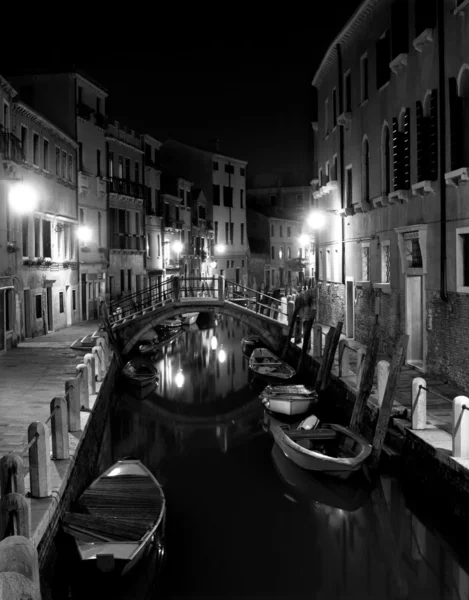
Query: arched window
x,y
385,160
365,170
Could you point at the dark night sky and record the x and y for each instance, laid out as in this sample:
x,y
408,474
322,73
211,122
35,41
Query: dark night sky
x,y
244,79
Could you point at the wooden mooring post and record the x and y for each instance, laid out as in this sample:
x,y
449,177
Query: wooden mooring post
x,y
301,366
325,357
330,357
366,382
398,358
290,329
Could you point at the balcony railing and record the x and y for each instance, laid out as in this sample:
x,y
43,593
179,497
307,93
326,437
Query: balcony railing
x,y
10,147
124,187
168,222
84,111
178,224
126,241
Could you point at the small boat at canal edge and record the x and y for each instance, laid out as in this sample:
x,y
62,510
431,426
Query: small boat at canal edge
x,y
122,515
288,400
250,343
189,319
264,364
330,448
141,375
159,341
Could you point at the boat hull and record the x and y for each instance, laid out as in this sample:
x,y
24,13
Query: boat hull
x,y
288,406
317,460
267,367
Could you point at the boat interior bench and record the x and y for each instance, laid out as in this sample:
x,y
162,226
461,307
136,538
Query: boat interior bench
x,y
315,434
102,529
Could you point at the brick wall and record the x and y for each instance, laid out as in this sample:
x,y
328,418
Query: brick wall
x,y
331,303
448,338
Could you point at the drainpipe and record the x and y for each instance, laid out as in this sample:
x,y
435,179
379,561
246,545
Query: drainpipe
x,y
341,156
442,148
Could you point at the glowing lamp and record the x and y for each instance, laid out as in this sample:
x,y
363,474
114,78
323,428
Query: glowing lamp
x,y
316,219
84,233
222,355
177,247
22,197
220,248
214,343
179,379
303,239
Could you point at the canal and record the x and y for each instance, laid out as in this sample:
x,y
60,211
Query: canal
x,y
242,521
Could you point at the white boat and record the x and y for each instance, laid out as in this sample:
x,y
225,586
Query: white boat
x,y
188,319
264,364
288,400
122,515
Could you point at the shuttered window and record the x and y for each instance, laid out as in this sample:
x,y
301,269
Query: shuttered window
x,y
383,58
456,120
406,149
398,163
399,28
425,15
427,140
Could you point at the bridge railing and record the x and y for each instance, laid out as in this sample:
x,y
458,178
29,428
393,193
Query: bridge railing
x,y
254,300
130,304
199,287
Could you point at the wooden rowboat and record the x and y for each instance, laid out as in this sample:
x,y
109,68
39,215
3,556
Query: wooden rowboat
x,y
121,516
331,448
249,343
141,375
289,400
264,364
159,341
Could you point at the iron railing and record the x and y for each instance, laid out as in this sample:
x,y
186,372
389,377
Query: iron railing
x,y
116,185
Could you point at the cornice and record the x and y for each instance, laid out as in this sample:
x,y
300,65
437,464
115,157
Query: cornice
x,y
102,91
112,138
23,109
7,87
230,159
150,138
351,27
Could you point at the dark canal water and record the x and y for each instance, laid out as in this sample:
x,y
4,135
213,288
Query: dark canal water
x,y
242,522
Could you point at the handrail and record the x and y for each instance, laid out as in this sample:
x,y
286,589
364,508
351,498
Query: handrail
x,y
146,292
421,387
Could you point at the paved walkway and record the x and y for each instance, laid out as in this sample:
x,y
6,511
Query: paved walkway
x,y
31,375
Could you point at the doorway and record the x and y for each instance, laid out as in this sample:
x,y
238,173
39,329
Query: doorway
x,y
414,320
27,314
350,308
49,308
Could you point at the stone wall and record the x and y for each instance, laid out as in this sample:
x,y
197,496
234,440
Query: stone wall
x,y
331,303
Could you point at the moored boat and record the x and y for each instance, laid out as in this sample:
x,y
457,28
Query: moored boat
x,y
188,319
141,375
121,516
330,448
163,338
265,365
250,343
288,400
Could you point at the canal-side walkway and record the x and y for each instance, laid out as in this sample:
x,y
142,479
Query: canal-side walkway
x,y
31,375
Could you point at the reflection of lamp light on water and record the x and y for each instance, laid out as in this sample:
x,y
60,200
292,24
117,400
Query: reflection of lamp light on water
x,y
214,343
222,355
179,379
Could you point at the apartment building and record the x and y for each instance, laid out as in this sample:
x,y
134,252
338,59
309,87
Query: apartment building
x,y
126,211
294,202
39,265
392,143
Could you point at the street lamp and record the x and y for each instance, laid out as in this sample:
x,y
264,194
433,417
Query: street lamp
x,y
177,247
84,233
316,219
220,248
303,240
22,197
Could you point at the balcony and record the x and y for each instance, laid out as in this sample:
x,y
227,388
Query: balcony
x,y
178,224
100,120
195,222
10,147
123,187
127,241
210,226
83,184
168,223
84,111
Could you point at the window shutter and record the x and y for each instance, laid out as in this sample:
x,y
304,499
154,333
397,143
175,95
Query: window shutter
x,y
420,140
433,136
406,150
396,153
456,120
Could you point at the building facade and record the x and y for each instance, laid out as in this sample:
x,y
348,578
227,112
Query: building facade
x,y
294,202
391,144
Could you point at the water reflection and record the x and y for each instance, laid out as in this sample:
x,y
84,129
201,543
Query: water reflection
x,y
244,522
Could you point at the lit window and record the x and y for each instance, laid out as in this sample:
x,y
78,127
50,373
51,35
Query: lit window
x,y
365,262
385,262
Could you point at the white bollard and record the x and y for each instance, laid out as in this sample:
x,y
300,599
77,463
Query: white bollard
x,y
344,358
39,460
97,352
461,427
360,365
317,340
419,403
19,568
383,374
91,364
82,372
59,427
101,343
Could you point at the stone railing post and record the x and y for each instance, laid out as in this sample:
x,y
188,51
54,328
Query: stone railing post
x,y
344,358
59,428
102,343
419,403
383,374
176,289
97,352
221,288
19,568
11,475
317,340
360,365
16,506
72,397
290,311
82,380
39,460
461,427
91,363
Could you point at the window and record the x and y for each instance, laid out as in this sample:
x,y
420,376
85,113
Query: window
x,y
425,15
366,262
326,117
272,252
385,161
99,230
327,179
288,231
399,28
216,232
122,280
229,169
385,262
9,309
80,156
82,216
74,300
366,171
64,165
401,150
38,306
24,141
110,164
231,233
129,280
227,196
227,228
241,198
242,171
462,259
272,230
37,237
289,252
334,107
348,91
242,234
321,182
427,138
121,168
215,165
6,116
364,77
137,172
383,58
45,154
280,253
70,168
349,187
273,201
61,302
46,239
25,233
98,163
216,195
36,149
